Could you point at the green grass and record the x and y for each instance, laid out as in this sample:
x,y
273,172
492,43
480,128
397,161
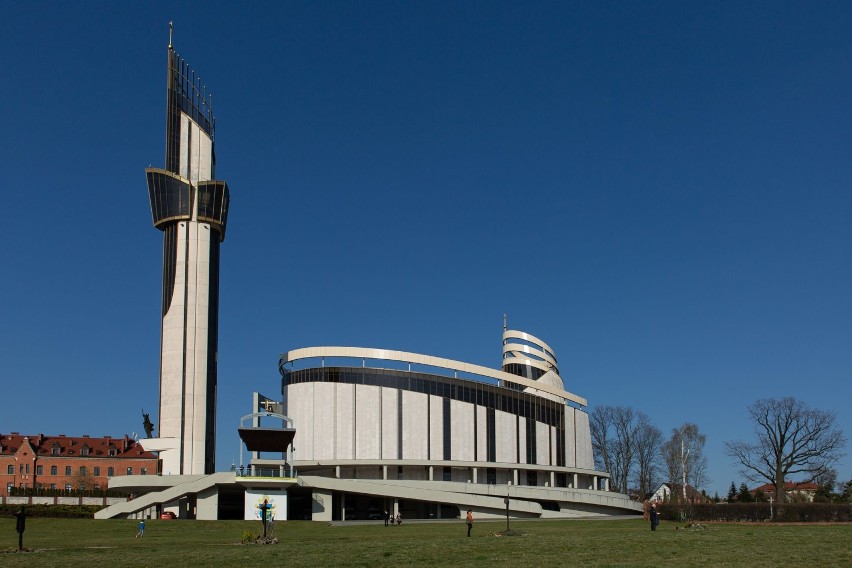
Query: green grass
x,y
103,544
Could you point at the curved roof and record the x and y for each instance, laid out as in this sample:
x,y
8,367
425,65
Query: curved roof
x,y
418,359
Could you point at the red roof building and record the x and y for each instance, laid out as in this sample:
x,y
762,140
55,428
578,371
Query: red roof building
x,y
29,463
802,490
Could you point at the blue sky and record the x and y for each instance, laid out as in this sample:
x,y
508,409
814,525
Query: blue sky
x,y
659,190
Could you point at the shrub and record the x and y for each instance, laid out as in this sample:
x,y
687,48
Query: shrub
x,y
816,513
53,511
61,492
760,512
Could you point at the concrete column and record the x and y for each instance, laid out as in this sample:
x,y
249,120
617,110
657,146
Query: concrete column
x,y
553,479
514,476
575,481
395,507
337,471
321,505
385,472
207,504
431,473
606,484
595,482
474,474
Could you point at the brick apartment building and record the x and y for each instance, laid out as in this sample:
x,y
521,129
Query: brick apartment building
x,y
66,463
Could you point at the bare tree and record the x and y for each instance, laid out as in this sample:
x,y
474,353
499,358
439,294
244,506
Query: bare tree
x,y
616,433
625,422
82,480
826,478
698,477
616,468
684,458
648,440
600,421
791,439
670,452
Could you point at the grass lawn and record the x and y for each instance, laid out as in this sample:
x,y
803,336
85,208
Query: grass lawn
x,y
104,544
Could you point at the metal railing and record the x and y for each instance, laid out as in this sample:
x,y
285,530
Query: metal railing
x,y
282,471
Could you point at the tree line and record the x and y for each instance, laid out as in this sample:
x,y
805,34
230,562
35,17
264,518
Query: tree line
x,y
637,456
791,439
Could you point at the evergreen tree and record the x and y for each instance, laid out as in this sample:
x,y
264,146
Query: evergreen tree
x,y
846,496
826,482
744,495
732,493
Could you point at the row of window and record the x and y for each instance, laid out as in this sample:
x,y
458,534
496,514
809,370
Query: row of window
x,y
528,409
84,451
213,199
52,486
171,197
523,404
54,470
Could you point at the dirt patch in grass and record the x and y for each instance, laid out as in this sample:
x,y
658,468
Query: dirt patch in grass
x,y
510,532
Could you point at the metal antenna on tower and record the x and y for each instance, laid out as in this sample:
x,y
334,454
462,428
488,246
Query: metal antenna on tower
x,y
505,322
171,28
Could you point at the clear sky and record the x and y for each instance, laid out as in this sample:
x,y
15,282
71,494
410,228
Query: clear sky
x,y
659,190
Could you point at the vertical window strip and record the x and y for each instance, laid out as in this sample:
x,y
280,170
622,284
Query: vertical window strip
x,y
447,431
399,424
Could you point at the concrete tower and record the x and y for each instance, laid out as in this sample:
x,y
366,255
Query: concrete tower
x,y
191,208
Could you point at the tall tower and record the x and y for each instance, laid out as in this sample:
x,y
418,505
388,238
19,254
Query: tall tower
x,y
191,208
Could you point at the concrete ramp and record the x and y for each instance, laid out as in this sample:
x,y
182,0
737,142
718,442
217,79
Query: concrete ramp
x,y
487,500
181,489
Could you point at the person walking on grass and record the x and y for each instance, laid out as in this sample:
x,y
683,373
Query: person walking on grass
x,y
141,529
469,522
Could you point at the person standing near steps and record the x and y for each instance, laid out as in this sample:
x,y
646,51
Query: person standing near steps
x,y
469,522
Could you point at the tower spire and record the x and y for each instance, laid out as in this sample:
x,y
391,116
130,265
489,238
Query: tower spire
x,y
171,29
